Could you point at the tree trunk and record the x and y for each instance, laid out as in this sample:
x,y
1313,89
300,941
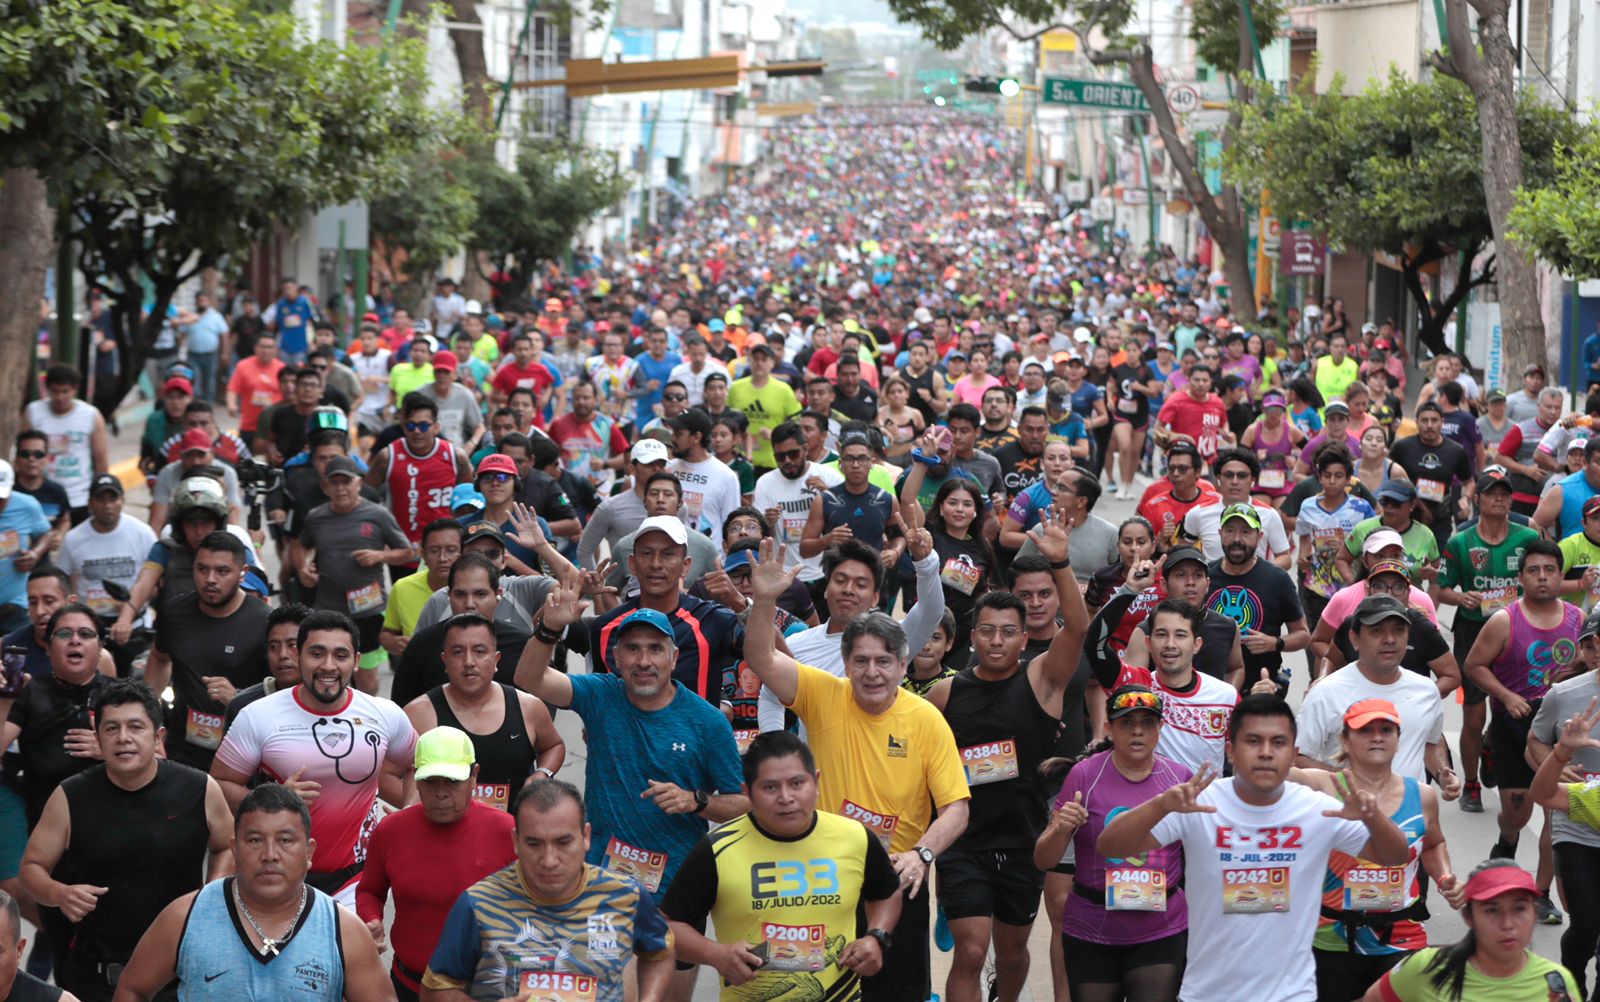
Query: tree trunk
x,y
1488,65
27,237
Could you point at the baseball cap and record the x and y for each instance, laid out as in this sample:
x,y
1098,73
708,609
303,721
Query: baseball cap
x,y
1580,444
445,753
648,450
178,383
444,360
474,308
762,347
647,617
1381,538
1497,880
194,440
1495,396
1365,711
1493,477
1037,338
1397,489
1082,335
716,324
484,530
341,466
1591,625
672,525
1166,346
691,421
1126,699
1531,369
954,355
738,560
1336,407
1374,609
1591,506
466,496
1274,400
1241,510
1389,567
497,463
1179,554
1369,328
105,482
785,318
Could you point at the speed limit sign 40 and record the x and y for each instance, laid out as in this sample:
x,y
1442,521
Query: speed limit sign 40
x,y
1183,99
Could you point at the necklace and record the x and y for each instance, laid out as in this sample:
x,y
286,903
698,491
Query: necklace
x,y
268,944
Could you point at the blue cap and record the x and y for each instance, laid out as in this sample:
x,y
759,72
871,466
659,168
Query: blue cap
x,y
465,495
716,324
646,617
737,560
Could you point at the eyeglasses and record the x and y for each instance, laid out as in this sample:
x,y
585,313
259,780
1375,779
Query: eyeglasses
x,y
419,427
1235,475
676,398
1134,701
854,460
788,454
495,477
988,630
31,454
82,633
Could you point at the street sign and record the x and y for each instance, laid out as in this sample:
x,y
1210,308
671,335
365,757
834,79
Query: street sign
x,y
1077,190
1102,210
1094,94
1183,99
1301,253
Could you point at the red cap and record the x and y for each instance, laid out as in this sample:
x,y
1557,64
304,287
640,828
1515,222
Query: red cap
x,y
178,383
1366,711
193,439
1498,880
444,360
497,463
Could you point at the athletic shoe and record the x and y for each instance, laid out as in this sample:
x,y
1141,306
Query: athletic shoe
x,y
1471,798
1548,913
1503,849
943,938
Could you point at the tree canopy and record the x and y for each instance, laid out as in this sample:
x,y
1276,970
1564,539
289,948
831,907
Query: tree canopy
x,y
1561,221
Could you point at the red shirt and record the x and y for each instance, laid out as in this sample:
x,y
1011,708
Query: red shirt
x,y
428,866
513,377
256,386
1201,420
1165,511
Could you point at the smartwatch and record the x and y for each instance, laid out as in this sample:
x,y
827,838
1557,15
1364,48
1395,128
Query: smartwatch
x,y
1280,645
923,853
884,937
702,800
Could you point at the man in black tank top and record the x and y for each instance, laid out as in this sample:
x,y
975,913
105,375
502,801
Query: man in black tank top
x,y
120,841
1004,714
17,985
511,731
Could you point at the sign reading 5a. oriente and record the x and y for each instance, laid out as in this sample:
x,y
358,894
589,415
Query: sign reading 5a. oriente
x,y
1094,94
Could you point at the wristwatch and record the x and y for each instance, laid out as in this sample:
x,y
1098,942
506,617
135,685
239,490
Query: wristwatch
x,y
1280,645
702,800
923,853
884,937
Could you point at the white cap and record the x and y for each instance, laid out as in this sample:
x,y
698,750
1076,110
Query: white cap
x,y
649,450
922,315
1313,310
474,308
1082,334
672,525
8,479
1381,538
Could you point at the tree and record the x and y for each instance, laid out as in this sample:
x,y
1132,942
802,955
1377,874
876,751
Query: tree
x,y
1224,38
530,215
1391,170
1483,55
177,132
27,232
430,214
1562,221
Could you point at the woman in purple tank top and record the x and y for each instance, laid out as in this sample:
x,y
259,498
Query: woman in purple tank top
x,y
1275,441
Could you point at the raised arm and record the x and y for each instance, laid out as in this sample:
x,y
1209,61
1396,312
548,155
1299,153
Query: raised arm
x,y
777,672
924,616
562,608
1051,673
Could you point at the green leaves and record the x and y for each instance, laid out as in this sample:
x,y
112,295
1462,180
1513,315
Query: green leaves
x,y
1561,222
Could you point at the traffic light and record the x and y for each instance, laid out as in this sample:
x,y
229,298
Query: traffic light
x,y
1005,87
939,102
927,89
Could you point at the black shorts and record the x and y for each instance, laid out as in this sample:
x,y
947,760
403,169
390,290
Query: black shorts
x,y
1139,422
905,976
1508,739
368,628
1345,975
986,883
1464,635
1101,963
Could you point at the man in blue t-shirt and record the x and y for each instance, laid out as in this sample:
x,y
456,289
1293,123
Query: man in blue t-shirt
x,y
662,761
292,315
651,371
24,540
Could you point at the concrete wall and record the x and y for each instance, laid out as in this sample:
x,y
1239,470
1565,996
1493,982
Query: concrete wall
x,y
1361,39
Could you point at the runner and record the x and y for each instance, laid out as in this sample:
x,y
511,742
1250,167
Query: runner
x,y
1166,506
1258,596
1237,471
420,469
79,442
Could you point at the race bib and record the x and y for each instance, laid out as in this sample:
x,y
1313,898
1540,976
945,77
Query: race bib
x,y
293,320
1495,599
793,947
1127,405
496,795
263,398
1135,889
743,739
1375,889
1430,490
990,763
203,730
641,864
961,574
557,986
367,598
881,825
10,543
1255,891
1271,478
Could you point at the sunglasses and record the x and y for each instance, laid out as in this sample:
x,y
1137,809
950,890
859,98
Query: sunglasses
x,y
82,633
788,454
1134,701
31,454
676,398
495,477
419,426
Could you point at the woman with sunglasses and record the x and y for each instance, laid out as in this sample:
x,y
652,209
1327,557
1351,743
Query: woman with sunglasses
x,y
1493,960
499,483
1372,915
1124,931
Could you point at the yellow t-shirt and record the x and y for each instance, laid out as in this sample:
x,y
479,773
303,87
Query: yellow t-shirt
x,y
767,407
406,600
887,771
406,377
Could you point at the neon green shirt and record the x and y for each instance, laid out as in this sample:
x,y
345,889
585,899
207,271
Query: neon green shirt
x,y
406,600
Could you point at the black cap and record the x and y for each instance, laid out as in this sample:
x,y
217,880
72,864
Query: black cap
x,y
484,530
1374,609
1180,554
1591,625
691,421
341,466
105,482
761,346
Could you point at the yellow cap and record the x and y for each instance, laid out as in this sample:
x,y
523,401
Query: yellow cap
x,y
445,753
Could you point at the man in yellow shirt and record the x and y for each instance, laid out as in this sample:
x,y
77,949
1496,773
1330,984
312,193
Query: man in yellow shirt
x,y
1336,370
441,545
887,759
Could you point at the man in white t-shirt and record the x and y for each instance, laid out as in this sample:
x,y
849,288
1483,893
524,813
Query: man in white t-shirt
x,y
1255,851
1237,470
1380,631
710,488
107,547
784,495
